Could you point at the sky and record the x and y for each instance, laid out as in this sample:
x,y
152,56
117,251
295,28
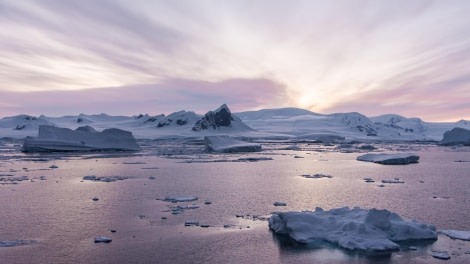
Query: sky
x,y
125,57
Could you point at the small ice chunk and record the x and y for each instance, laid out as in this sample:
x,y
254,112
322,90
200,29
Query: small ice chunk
x,y
180,198
251,159
441,255
392,181
191,223
316,176
102,239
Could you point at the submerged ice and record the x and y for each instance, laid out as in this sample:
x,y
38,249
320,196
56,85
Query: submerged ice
x,y
353,229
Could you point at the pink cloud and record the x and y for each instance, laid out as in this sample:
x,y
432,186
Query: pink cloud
x,y
166,97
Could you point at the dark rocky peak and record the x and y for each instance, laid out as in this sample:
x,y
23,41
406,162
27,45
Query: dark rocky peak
x,y
221,117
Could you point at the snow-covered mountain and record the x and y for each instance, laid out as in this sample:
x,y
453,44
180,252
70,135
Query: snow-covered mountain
x,y
284,123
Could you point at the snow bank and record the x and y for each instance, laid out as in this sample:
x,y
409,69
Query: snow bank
x,y
85,138
390,159
353,229
456,136
228,144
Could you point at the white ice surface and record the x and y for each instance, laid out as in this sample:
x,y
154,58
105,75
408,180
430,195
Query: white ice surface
x,y
353,229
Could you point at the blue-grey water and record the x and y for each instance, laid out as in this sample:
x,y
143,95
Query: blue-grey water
x,y
57,220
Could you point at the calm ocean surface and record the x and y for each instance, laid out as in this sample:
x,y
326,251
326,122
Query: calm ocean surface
x,y
55,216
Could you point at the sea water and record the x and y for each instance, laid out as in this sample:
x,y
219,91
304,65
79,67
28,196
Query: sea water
x,y
49,211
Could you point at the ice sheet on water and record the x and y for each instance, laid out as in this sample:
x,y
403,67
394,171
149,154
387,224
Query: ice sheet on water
x,y
390,159
456,234
353,229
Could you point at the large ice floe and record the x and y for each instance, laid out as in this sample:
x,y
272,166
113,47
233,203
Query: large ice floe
x,y
227,144
84,138
352,229
390,159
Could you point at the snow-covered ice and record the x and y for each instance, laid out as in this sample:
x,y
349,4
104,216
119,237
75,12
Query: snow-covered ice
x,y
227,144
353,229
390,158
85,138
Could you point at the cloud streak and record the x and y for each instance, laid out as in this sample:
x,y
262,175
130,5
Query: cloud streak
x,y
328,56
165,97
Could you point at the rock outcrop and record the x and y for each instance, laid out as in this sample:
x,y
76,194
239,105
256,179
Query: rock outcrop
x,y
220,118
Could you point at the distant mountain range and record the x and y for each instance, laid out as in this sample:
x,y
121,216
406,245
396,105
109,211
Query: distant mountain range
x,y
281,123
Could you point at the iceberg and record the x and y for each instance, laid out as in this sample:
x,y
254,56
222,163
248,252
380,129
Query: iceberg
x,y
228,144
352,229
390,159
456,136
84,138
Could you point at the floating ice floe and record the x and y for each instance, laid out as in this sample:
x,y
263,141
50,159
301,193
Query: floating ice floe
x,y
353,229
85,138
441,255
191,223
103,239
180,198
104,179
456,234
227,144
251,159
390,159
15,243
393,181
316,176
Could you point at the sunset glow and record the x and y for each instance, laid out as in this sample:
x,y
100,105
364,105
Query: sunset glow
x,y
123,57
